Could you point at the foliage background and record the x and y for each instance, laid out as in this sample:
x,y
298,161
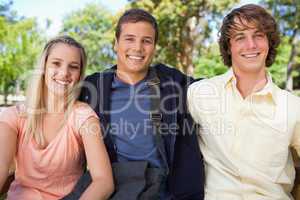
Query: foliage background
x,y
188,38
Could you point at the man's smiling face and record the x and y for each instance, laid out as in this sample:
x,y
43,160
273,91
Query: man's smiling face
x,y
249,47
135,49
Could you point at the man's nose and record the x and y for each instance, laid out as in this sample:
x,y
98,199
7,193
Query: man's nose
x,y
251,43
138,45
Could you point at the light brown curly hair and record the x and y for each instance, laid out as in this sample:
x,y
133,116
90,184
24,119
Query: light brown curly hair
x,y
254,14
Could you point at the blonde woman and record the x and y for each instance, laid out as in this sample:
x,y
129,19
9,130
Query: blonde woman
x,y
53,134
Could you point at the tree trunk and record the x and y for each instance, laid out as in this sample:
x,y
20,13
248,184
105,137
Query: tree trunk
x,y
5,97
188,46
190,70
289,78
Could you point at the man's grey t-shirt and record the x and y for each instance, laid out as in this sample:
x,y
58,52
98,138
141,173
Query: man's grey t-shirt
x,y
130,126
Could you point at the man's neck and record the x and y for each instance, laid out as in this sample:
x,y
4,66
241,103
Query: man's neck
x,y
248,83
130,78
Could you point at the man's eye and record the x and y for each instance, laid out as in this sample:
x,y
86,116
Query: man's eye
x,y
260,35
129,39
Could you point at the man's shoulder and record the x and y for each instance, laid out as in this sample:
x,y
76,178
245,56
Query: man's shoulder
x,y
97,75
165,71
284,94
212,83
93,76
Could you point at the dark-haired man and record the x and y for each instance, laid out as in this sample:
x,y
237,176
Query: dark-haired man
x,y
248,123
149,135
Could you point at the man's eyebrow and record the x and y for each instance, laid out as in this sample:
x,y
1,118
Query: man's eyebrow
x,y
129,35
235,34
259,31
132,35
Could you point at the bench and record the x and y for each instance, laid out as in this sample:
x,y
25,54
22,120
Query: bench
x,y
295,192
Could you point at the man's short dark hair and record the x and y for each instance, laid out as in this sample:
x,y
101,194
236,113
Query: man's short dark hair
x,y
254,14
136,15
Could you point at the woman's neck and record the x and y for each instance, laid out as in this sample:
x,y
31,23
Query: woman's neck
x,y
55,104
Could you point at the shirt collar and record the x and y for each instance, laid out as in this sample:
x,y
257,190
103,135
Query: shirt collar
x,y
268,90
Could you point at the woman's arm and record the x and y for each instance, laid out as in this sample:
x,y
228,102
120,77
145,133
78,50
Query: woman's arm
x,y
8,143
98,162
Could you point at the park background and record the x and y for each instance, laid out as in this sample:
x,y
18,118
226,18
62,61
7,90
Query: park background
x,y
188,34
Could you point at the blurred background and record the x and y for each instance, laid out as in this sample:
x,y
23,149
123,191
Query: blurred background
x,y
188,36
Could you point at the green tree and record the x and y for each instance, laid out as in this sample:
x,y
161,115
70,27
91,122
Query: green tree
x,y
92,26
186,28
278,69
19,45
210,63
287,13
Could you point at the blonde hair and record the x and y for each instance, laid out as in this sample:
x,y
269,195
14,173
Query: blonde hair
x,y
35,99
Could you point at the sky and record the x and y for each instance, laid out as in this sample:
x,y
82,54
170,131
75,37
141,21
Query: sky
x,y
55,10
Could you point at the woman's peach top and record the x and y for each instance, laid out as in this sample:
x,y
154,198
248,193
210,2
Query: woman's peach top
x,y
50,172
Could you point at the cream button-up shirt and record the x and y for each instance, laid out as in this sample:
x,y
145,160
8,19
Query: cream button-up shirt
x,y
246,142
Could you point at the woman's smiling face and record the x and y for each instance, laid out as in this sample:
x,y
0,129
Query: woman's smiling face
x,y
63,69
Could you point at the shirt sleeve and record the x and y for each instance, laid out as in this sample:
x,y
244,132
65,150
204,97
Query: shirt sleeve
x,y
191,101
295,143
10,117
82,113
296,138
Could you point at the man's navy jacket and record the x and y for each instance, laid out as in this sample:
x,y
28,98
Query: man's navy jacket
x,y
186,176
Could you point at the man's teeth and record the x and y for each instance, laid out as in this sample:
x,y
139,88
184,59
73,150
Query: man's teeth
x,y
135,57
62,82
250,55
